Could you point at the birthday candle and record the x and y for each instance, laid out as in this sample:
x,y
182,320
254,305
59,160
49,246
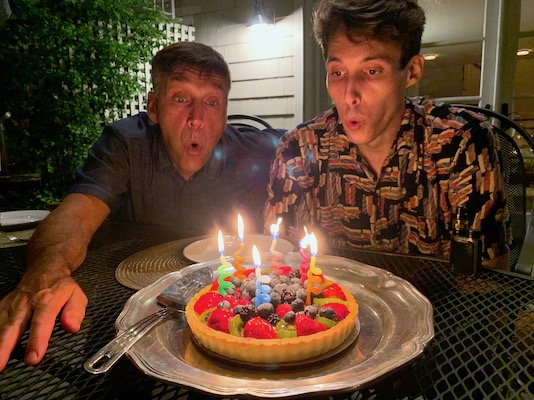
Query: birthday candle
x,y
262,281
224,270
305,262
239,269
314,274
275,264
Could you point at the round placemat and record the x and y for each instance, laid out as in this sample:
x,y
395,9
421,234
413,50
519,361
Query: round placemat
x,y
147,266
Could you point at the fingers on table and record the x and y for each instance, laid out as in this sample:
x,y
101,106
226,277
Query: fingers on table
x,y
15,312
48,304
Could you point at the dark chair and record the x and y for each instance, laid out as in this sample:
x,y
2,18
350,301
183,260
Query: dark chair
x,y
248,121
514,174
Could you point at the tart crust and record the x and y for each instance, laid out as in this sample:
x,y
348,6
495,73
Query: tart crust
x,y
265,351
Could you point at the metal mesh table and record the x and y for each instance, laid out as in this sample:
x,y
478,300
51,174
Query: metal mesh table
x,y
483,346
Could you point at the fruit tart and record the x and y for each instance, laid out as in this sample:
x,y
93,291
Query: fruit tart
x,y
292,327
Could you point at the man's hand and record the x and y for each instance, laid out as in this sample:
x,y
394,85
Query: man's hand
x,y
40,309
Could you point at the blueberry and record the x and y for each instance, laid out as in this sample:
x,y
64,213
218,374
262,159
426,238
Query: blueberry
x,y
224,304
327,312
289,318
310,311
301,294
265,309
275,299
297,305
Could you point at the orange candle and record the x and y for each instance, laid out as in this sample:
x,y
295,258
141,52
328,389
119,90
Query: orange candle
x,y
240,269
314,274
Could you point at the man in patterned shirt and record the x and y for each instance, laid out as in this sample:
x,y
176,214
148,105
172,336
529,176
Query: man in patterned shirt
x,y
378,171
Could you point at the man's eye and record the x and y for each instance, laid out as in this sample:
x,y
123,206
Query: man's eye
x,y
180,99
373,71
336,73
213,103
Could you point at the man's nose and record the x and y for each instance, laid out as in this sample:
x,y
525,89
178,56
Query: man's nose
x,y
353,91
196,116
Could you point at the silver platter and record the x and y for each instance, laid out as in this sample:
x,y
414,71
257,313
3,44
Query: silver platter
x,y
396,324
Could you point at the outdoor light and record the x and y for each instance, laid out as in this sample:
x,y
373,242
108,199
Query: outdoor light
x,y
523,52
261,16
430,57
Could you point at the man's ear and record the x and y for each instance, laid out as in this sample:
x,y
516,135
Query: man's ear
x,y
414,70
151,107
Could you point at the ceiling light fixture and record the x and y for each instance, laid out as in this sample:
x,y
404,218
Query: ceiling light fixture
x,y
430,56
523,52
261,16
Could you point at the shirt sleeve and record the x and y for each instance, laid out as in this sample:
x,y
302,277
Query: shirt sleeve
x,y
105,171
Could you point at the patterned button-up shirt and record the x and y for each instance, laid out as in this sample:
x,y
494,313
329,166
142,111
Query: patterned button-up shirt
x,y
442,157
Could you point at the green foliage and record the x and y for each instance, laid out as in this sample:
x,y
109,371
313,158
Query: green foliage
x,y
64,63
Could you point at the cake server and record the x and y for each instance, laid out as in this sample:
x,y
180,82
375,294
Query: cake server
x,y
174,299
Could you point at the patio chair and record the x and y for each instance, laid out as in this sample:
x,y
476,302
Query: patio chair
x,y
248,121
514,174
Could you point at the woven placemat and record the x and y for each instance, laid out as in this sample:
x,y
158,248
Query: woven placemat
x,y
147,266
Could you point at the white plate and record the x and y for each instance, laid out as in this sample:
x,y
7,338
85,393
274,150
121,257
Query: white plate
x,y
14,219
208,249
396,324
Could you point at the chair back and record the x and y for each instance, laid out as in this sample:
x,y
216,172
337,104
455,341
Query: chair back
x,y
248,121
514,176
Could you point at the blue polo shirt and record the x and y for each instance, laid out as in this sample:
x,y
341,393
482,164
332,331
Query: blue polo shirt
x,y
129,169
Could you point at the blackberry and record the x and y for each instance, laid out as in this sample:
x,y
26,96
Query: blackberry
x,y
295,273
273,319
246,312
288,296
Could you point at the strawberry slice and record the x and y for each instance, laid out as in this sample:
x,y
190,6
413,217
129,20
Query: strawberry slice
x,y
283,309
219,319
341,310
241,302
259,328
285,270
334,290
207,300
307,326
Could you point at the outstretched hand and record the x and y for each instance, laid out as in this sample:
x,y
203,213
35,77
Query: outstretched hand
x,y
39,307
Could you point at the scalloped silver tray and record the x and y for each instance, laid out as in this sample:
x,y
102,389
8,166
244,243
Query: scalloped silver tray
x,y
396,323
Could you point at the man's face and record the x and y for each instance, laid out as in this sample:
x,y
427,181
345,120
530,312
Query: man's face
x,y
191,112
367,85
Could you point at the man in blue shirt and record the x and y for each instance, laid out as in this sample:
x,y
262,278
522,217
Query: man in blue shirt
x,y
178,166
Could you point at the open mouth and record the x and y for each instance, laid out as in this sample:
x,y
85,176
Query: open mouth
x,y
353,123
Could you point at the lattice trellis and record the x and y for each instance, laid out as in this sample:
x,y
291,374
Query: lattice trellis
x,y
175,33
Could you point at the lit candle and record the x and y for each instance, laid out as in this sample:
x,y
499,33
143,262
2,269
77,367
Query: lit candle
x,y
240,269
262,281
305,262
275,264
314,274
224,270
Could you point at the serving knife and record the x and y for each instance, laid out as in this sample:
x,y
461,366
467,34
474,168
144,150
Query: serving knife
x,y
174,299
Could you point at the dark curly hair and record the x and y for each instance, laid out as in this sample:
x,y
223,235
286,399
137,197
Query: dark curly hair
x,y
388,21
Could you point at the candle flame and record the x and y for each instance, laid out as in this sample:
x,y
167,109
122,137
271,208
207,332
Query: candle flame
x,y
256,256
305,241
240,227
275,228
221,242
312,240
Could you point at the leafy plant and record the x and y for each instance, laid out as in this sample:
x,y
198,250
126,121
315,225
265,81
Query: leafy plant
x,y
68,67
